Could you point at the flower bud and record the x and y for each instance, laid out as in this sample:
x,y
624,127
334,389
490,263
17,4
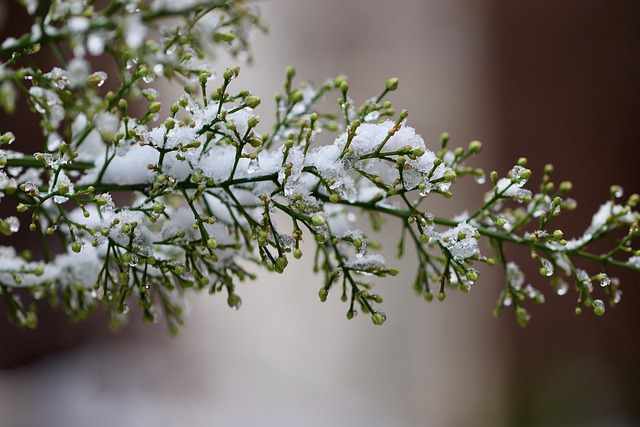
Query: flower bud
x,y
318,220
155,107
212,243
392,83
475,146
252,101
378,318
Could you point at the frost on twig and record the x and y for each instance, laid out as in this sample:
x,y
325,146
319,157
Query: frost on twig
x,y
205,186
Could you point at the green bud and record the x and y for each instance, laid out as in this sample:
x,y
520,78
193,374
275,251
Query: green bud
x,y
196,177
598,307
525,174
21,207
318,220
63,188
5,228
392,83
475,146
31,320
441,296
7,138
522,316
378,318
212,243
297,96
234,301
472,275
449,175
255,142
565,186
323,293
417,152
155,107
344,86
76,247
297,253
158,207
291,72
252,101
253,121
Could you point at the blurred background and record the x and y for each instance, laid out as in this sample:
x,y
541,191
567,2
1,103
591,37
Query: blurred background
x,y
552,81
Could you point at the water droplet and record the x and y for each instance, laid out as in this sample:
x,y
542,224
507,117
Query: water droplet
x,y
507,301
148,78
254,166
171,49
547,266
133,261
125,308
617,191
372,116
617,295
14,224
582,275
562,288
605,280
516,175
480,179
426,190
362,249
101,76
10,137
598,307
243,56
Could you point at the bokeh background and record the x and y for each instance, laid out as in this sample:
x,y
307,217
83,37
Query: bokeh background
x,y
552,81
